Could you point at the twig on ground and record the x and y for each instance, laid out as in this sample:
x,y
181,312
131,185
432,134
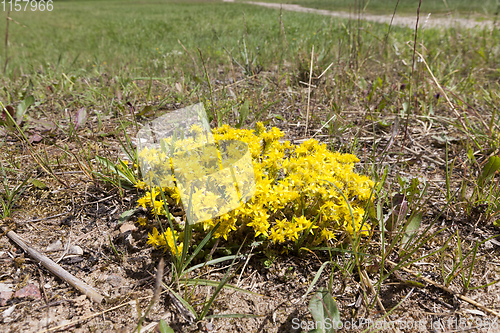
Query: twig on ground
x,y
44,218
319,77
237,82
101,200
307,84
55,268
435,159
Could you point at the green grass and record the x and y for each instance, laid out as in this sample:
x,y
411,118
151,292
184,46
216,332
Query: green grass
x,y
142,39
128,39
486,7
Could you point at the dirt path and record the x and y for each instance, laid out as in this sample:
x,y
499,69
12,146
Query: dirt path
x,y
403,21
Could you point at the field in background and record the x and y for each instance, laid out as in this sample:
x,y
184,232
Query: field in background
x,y
422,118
125,40
487,8
135,39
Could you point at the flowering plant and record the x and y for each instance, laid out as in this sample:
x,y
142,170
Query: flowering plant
x,y
299,190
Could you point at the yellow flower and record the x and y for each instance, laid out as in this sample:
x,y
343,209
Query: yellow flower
x,y
327,234
176,194
168,239
143,221
144,201
141,185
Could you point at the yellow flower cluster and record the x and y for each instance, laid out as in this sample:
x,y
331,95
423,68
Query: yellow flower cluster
x,y
211,177
165,241
298,189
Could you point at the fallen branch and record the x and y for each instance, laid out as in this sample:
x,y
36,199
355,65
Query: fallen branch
x,y
55,268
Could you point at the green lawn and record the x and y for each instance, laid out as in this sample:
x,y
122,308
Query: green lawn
x,y
484,7
142,38
130,39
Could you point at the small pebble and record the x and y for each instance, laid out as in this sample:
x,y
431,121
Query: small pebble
x,y
5,296
9,311
6,287
29,291
114,280
56,246
127,227
75,249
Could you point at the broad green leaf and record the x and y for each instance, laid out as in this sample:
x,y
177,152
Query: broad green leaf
x,y
412,227
22,107
39,185
324,311
164,328
126,215
489,170
147,111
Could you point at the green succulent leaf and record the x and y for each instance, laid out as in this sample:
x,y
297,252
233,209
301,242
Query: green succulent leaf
x,y
324,311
